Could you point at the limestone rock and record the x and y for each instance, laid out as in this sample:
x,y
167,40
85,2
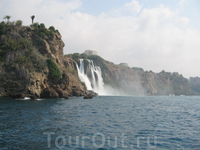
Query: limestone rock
x,y
49,93
21,73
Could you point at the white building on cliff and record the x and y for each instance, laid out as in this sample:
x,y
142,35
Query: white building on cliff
x,y
91,52
124,64
194,80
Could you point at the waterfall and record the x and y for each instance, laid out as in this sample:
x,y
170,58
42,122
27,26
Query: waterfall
x,y
92,77
82,76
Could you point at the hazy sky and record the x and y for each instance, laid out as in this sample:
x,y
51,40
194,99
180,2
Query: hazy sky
x,y
153,34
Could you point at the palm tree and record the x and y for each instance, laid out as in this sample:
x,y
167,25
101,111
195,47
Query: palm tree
x,y
32,17
7,17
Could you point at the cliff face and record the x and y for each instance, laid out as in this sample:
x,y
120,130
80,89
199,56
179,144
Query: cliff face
x,y
32,64
138,82
24,52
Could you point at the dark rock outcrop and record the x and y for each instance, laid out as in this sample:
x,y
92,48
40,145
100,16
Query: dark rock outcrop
x,y
90,94
17,96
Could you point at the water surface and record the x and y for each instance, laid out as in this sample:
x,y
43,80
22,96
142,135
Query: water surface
x,y
106,122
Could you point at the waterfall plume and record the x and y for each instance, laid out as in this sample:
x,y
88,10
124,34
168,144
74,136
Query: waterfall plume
x,y
92,77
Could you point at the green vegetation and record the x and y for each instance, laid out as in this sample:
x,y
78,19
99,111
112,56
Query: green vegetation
x,y
18,23
7,17
75,57
12,44
22,51
38,61
51,28
54,71
41,32
98,61
83,56
137,68
2,28
32,60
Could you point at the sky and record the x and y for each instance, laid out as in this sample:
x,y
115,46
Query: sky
x,y
152,34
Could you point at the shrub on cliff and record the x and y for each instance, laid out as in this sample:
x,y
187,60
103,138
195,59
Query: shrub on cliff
x,y
18,23
38,61
12,44
54,71
42,31
2,28
76,57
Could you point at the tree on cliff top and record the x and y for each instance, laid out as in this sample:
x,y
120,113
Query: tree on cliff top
x,y
32,18
7,17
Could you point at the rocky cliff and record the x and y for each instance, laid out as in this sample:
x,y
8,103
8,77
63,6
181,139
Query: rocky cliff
x,y
32,64
24,69
136,81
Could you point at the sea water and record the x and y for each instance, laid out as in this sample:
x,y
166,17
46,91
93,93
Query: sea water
x,y
106,122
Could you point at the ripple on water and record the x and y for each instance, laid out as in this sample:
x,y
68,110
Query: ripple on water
x,y
159,122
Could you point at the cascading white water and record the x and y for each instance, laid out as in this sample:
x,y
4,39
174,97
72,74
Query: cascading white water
x,y
92,77
82,76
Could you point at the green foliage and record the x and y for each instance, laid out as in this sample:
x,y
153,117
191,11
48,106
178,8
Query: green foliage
x,y
42,32
37,60
39,42
137,68
25,43
28,54
35,25
163,71
76,57
51,34
97,60
151,71
11,45
2,28
22,60
32,18
7,17
18,23
57,32
83,56
52,28
54,71
68,55
16,44
42,26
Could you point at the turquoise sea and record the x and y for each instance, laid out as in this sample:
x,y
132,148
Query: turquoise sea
x,y
104,123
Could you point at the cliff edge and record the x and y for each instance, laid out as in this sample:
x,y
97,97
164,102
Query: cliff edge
x,y
32,63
